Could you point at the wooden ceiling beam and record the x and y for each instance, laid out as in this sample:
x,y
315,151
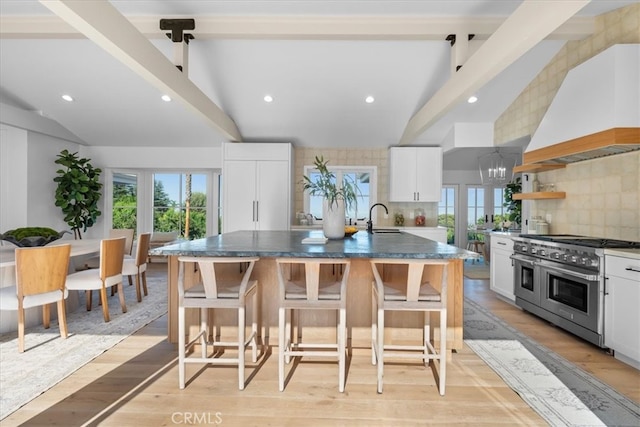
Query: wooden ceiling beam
x,y
100,22
531,23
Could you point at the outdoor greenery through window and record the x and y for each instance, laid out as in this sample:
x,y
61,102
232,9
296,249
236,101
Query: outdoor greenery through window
x,y
446,212
475,212
363,177
180,204
125,201
499,213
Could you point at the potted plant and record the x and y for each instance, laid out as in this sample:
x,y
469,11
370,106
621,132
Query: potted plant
x,y
336,197
514,207
78,191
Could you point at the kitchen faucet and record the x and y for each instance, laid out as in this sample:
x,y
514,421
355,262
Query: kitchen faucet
x,y
370,222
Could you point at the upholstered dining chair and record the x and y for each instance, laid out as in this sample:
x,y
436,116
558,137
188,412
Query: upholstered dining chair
x,y
304,286
108,275
138,266
217,291
127,233
411,293
41,273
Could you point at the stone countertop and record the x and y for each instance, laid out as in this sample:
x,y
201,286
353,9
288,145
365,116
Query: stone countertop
x,y
627,253
289,244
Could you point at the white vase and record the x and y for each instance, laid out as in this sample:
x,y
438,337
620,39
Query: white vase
x,y
333,218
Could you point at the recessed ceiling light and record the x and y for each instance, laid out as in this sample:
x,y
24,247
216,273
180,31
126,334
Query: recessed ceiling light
x,y
268,98
67,98
369,99
166,98
472,99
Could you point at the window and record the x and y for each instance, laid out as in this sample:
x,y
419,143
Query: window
x,y
446,212
499,213
363,176
180,204
125,200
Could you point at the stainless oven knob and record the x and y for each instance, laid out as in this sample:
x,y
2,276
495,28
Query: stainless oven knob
x,y
573,259
555,255
534,251
542,252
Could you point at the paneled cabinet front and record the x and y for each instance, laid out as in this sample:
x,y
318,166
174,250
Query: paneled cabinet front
x,y
415,174
256,195
501,267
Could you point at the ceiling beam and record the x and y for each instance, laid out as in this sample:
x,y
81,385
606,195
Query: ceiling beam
x,y
299,28
100,22
525,28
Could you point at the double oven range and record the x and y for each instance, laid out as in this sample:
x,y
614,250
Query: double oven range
x,y
560,278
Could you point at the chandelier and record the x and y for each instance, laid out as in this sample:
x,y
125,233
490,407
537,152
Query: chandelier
x,y
496,168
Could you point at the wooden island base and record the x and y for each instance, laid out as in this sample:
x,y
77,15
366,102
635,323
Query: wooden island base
x,y
317,324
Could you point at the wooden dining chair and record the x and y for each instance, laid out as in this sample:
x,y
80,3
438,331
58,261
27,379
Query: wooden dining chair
x,y
304,286
41,273
406,289
127,233
138,266
108,275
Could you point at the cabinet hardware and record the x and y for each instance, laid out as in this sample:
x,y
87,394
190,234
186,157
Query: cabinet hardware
x,y
632,269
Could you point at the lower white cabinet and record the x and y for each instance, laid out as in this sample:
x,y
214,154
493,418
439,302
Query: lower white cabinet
x,y
621,313
501,267
439,234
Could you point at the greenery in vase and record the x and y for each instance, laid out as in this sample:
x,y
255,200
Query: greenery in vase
x,y
78,191
326,186
514,207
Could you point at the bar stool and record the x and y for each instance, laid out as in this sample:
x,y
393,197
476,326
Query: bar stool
x,y
475,246
311,290
212,293
414,294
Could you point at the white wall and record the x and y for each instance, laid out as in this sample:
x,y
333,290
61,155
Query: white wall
x,y
154,157
13,178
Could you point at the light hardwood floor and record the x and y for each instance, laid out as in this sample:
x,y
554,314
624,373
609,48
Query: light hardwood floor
x,y
136,384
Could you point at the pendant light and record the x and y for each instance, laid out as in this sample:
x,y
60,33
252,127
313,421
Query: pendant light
x,y
496,168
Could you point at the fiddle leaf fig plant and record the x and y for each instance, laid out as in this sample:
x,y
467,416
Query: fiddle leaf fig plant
x,y
514,207
78,191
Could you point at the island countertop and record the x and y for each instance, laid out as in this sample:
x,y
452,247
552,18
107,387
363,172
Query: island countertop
x,y
289,244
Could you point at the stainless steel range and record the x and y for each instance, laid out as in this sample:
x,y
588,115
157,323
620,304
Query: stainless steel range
x,y
560,278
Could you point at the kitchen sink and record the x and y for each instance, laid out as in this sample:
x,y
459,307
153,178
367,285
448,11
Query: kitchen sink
x,y
386,231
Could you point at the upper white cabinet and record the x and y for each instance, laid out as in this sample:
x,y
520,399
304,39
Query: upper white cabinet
x,y
501,267
415,174
256,181
621,314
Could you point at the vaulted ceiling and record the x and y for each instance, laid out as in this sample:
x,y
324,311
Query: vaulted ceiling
x,y
319,60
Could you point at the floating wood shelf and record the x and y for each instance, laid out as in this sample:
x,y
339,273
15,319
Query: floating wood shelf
x,y
538,167
540,195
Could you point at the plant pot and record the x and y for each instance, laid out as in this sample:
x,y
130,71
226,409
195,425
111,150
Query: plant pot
x,y
333,218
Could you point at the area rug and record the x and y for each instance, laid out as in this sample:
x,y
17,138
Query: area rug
x,y
559,391
472,271
48,358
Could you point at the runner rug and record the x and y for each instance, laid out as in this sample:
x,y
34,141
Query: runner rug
x,y
561,392
48,358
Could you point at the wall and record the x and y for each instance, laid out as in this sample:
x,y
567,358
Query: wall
x,y
359,157
602,194
602,198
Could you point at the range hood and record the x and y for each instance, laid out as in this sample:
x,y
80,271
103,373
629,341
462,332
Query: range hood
x,y
595,113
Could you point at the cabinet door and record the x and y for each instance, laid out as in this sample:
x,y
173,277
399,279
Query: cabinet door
x,y
428,174
273,190
621,314
402,174
239,182
501,273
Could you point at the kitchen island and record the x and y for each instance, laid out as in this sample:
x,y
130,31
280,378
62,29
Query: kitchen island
x,y
360,248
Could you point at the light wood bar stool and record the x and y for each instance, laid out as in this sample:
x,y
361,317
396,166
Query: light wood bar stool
x,y
312,289
476,246
217,293
410,292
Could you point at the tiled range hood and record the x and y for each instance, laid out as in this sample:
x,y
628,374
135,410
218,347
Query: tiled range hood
x,y
595,113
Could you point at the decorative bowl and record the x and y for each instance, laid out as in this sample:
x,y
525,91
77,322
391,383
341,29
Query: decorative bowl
x,y
350,231
32,236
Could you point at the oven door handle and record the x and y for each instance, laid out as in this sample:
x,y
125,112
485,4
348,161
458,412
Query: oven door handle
x,y
589,277
531,262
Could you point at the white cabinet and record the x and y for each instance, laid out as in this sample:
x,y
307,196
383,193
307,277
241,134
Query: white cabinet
x,y
621,314
415,174
256,181
439,234
501,267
